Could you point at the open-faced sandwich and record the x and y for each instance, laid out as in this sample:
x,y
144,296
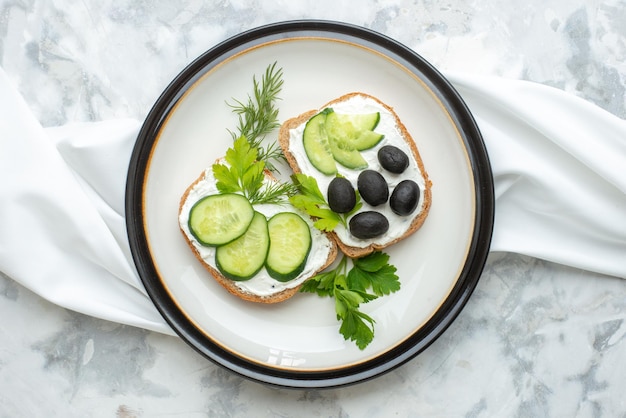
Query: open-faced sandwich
x,y
357,149
257,247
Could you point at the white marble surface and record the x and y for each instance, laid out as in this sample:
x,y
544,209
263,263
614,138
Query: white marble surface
x,y
536,339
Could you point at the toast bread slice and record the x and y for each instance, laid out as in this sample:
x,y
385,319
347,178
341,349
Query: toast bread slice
x,y
284,138
230,285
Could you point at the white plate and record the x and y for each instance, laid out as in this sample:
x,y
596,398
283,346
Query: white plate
x,y
296,343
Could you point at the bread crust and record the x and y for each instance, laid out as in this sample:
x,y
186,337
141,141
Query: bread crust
x,y
231,285
351,251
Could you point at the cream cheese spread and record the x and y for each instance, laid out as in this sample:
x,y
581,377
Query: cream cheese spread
x,y
262,284
398,225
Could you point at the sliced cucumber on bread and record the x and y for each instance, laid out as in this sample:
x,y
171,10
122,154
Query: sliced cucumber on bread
x,y
357,129
290,244
219,219
244,257
231,239
331,137
317,145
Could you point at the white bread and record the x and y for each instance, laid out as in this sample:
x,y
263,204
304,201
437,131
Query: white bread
x,y
284,138
230,285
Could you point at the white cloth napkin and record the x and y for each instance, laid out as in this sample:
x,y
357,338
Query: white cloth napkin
x,y
62,231
559,165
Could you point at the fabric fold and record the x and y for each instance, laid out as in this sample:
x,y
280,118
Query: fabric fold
x,y
558,164
54,240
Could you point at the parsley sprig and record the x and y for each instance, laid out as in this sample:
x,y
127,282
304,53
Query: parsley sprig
x,y
244,173
258,115
369,278
311,200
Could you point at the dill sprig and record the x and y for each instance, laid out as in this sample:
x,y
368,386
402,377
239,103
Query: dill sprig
x,y
258,116
247,160
275,193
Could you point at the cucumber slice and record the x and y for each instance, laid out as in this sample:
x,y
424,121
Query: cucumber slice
x,y
367,140
346,155
242,258
316,146
355,129
218,219
290,243
351,124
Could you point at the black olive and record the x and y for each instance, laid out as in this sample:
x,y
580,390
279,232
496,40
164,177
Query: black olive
x,y
404,198
393,159
373,187
368,224
341,195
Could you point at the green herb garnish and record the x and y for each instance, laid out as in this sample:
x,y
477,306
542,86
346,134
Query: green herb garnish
x,y
247,160
244,173
370,277
311,200
258,116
